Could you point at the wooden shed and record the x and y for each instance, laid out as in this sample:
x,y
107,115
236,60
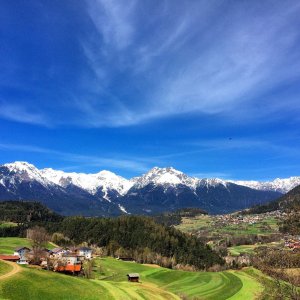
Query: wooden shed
x,y
133,277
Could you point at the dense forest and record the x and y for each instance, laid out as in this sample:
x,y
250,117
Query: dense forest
x,y
26,212
133,235
136,236
175,217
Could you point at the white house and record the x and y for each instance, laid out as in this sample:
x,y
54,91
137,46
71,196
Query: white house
x,y
58,252
85,251
22,252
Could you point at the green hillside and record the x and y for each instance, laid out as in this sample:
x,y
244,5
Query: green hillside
x,y
110,282
4,268
8,244
206,285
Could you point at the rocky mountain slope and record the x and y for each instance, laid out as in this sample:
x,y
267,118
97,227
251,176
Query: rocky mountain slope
x,y
105,193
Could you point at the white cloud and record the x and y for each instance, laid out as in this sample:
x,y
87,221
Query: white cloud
x,y
19,113
113,20
156,59
200,59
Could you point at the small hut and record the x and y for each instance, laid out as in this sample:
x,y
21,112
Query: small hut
x,y
133,277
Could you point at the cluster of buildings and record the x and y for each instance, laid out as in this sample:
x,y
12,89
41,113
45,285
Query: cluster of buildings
x,y
292,243
236,219
57,259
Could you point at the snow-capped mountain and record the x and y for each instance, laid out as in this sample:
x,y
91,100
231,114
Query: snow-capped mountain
x,y
166,177
105,181
23,181
163,189
278,185
105,193
21,171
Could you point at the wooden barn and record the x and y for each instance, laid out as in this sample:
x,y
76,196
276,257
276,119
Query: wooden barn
x,y
126,258
133,277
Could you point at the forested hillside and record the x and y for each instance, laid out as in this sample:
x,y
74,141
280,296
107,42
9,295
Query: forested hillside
x,y
25,212
139,236
288,202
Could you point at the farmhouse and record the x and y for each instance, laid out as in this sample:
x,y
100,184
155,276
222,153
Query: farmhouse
x,y
70,262
57,252
22,252
85,251
133,277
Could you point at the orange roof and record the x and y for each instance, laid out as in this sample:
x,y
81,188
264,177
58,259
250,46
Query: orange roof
x,y
9,257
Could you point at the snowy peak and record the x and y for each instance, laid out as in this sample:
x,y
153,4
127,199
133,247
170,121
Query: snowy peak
x,y
24,171
212,182
278,185
166,177
104,180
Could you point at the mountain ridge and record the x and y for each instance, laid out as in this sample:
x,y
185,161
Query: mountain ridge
x,y
88,181
159,188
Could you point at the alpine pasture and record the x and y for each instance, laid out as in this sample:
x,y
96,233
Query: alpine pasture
x,y
110,282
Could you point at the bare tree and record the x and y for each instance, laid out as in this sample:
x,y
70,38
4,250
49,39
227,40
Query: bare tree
x,y
39,239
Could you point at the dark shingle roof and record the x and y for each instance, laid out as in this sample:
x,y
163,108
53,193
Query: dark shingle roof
x,y
20,248
84,249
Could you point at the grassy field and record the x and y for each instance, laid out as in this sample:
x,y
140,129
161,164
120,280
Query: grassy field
x,y
110,282
209,223
205,285
8,244
7,224
242,249
197,223
4,268
249,249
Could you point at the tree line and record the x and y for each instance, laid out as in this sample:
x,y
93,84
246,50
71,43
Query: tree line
x,y
136,236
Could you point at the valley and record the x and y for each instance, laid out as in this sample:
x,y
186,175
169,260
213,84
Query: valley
x,y
181,254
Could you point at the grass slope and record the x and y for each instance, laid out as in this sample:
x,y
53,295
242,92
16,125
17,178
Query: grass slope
x,y
110,282
156,283
40,284
8,244
4,268
7,224
206,285
206,222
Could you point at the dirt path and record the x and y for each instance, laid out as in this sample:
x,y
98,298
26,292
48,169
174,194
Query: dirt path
x,y
15,269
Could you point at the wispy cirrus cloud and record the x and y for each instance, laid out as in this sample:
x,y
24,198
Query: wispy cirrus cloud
x,y
137,61
20,113
206,57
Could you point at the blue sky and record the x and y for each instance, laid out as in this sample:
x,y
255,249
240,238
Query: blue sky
x,y
211,88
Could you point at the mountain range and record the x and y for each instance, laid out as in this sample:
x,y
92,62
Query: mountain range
x,y
159,190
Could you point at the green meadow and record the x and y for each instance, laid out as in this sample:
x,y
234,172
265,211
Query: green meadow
x,y
4,268
110,282
208,223
203,285
7,224
8,244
